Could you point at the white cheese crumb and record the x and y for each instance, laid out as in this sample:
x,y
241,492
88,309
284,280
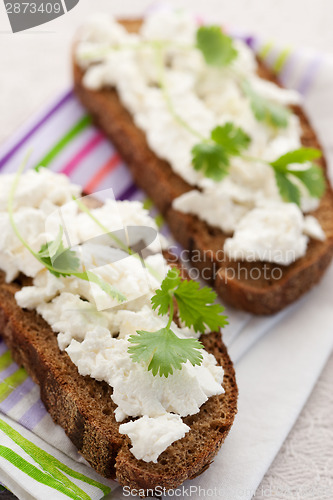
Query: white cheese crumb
x,y
151,436
313,229
273,233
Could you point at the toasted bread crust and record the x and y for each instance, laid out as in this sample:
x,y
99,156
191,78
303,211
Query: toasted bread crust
x,y
162,185
84,408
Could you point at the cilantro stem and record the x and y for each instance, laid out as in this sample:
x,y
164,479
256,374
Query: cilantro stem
x,y
166,95
171,312
117,240
253,159
134,46
125,248
112,48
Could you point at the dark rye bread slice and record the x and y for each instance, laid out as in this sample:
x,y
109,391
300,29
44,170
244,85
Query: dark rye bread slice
x,y
84,408
259,287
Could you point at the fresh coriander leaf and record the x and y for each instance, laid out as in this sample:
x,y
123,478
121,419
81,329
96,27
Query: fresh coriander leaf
x,y
313,179
50,249
65,263
217,48
59,260
232,139
163,351
196,307
288,190
211,159
272,113
164,295
301,155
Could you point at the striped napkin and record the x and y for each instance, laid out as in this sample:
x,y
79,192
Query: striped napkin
x,y
278,358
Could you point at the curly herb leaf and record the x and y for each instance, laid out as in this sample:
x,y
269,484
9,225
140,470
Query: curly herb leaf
x,y
164,295
163,351
196,307
312,177
59,260
288,190
64,262
301,155
232,139
213,157
217,48
272,113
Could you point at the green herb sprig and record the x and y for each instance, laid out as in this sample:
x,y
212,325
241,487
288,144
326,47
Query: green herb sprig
x,y
162,350
213,158
57,259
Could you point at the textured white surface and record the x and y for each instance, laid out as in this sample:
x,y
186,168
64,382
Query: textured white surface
x,y
304,466
35,66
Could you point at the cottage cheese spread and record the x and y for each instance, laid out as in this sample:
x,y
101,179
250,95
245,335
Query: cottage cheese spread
x,y
162,430
135,390
92,327
274,233
32,209
204,97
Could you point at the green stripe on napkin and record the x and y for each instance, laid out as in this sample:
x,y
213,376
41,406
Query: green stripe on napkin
x,y
50,472
5,360
82,124
12,382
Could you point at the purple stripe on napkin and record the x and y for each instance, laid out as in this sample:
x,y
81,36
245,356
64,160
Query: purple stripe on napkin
x,y
3,347
310,74
37,126
15,397
34,415
288,67
128,193
7,372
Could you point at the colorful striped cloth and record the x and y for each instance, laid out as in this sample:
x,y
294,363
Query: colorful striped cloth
x,y
36,457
